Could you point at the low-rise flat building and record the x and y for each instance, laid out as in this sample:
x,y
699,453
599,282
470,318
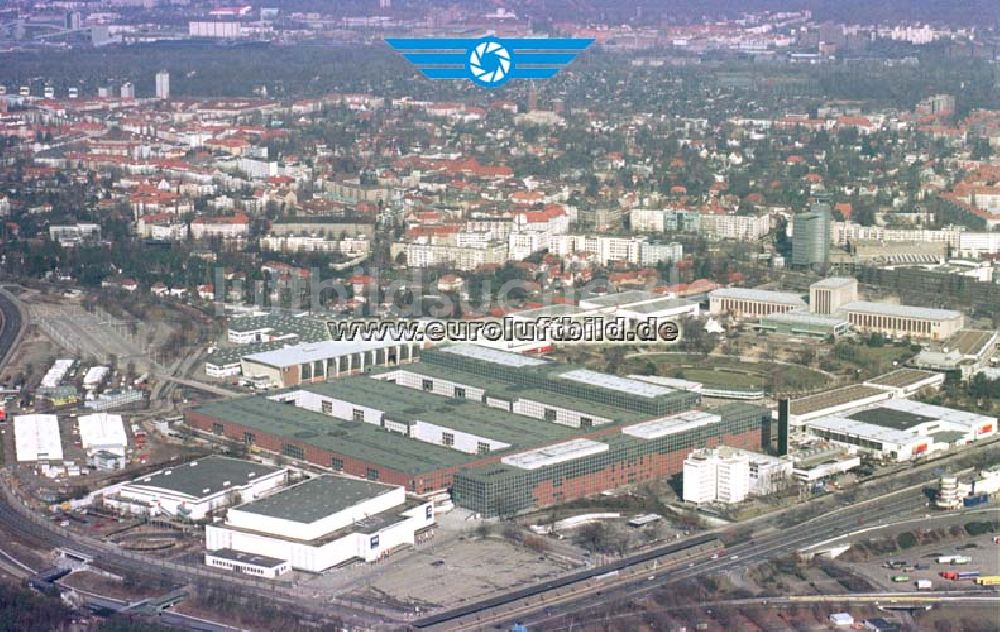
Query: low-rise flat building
x,y
832,402
804,325
324,522
103,431
192,490
906,382
247,563
901,429
744,302
36,438
901,321
319,361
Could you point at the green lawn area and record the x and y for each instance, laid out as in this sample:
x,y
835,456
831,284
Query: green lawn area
x,y
723,372
732,379
873,360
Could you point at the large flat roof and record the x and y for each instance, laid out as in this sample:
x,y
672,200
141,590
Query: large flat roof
x,y
102,429
863,429
353,439
672,424
615,383
513,392
559,309
550,376
950,415
748,294
409,405
972,341
553,454
316,498
313,351
36,437
205,477
660,305
494,356
836,397
901,377
889,418
905,311
306,328
833,283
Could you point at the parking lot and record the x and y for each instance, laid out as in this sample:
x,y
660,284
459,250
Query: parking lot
x,y
984,554
462,570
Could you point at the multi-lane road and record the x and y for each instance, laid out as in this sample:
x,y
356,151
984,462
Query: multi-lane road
x,y
547,610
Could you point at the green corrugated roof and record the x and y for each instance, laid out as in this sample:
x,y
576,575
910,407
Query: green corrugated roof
x,y
206,476
352,439
409,405
316,498
512,392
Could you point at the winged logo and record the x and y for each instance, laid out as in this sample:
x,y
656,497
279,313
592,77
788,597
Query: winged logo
x,y
490,62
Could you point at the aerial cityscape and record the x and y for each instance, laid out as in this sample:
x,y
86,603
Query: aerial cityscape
x,y
520,315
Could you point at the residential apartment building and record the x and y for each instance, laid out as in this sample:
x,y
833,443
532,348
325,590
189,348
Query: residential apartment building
x,y
226,227
739,227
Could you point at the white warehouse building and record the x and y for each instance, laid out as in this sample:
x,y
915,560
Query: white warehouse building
x,y
103,431
36,438
902,429
191,490
324,522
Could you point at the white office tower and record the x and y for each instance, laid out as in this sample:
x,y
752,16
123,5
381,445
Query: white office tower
x,y
732,478
163,85
719,475
699,479
128,90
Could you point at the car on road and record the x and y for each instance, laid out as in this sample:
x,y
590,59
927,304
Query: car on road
x,y
437,563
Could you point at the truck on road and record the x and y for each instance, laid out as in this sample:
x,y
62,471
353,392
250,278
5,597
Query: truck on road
x,y
959,575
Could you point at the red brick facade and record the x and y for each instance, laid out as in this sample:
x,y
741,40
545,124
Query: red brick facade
x,y
647,468
545,493
427,481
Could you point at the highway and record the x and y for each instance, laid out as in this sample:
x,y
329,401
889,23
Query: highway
x,y
887,600
765,545
543,609
19,521
769,541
